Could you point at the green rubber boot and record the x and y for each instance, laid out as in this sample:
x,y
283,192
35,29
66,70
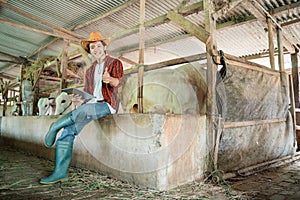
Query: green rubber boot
x,y
62,122
63,157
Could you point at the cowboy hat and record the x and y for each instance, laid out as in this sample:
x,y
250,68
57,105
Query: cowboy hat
x,y
93,37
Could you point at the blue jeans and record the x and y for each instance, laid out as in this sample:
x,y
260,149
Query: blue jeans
x,y
81,117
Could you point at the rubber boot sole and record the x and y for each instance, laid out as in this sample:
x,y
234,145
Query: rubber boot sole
x,y
53,182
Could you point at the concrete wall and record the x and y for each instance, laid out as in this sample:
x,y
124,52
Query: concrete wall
x,y
155,151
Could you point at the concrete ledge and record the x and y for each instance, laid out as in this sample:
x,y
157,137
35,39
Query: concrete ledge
x,y
150,150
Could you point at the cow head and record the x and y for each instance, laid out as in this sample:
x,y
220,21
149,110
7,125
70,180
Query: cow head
x,y
45,106
62,101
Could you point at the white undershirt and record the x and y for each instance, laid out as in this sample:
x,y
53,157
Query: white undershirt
x,y
98,82
98,87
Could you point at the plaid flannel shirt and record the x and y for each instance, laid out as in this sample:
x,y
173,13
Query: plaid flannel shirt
x,y
110,93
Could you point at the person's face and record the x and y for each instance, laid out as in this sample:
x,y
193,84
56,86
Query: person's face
x,y
97,50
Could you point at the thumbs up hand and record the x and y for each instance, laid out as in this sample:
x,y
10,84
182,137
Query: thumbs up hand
x,y
106,76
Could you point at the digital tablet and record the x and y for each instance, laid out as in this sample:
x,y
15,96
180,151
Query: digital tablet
x,y
83,94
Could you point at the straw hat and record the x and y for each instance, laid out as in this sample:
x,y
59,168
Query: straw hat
x,y
93,37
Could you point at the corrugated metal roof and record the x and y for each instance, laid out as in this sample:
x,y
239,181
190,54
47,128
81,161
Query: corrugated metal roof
x,y
117,16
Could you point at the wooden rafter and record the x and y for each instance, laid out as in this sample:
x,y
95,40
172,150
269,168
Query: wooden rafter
x,y
184,10
188,26
10,61
263,55
13,58
226,8
129,49
261,14
273,12
43,47
285,8
101,16
2,75
22,26
290,22
159,20
28,15
182,4
167,63
127,60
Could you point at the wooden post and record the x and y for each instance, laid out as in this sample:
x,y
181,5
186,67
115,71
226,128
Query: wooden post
x,y
141,56
22,70
5,92
280,50
64,65
35,89
271,43
292,110
3,96
295,75
211,108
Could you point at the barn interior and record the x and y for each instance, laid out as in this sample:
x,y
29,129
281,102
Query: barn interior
x,y
216,83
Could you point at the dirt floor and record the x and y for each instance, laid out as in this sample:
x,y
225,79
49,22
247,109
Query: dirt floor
x,y
20,174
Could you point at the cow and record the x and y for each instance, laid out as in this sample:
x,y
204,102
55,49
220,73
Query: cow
x,y
63,104
58,105
46,106
180,90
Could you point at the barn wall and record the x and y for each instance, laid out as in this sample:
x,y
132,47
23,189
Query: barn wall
x,y
155,151
259,125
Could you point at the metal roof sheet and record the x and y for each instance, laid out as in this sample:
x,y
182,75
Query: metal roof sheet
x,y
113,17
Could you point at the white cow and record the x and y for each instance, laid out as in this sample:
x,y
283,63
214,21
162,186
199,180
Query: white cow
x,y
55,106
178,91
63,104
46,106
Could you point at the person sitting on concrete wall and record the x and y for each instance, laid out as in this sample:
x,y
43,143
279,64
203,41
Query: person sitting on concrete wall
x,y
102,80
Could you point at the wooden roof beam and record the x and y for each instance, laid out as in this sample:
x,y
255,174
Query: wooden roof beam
x,y
127,60
285,8
133,48
273,12
181,4
172,62
226,8
13,59
10,61
261,14
22,26
28,15
110,12
290,22
262,55
2,75
160,20
196,7
43,47
8,55
188,26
